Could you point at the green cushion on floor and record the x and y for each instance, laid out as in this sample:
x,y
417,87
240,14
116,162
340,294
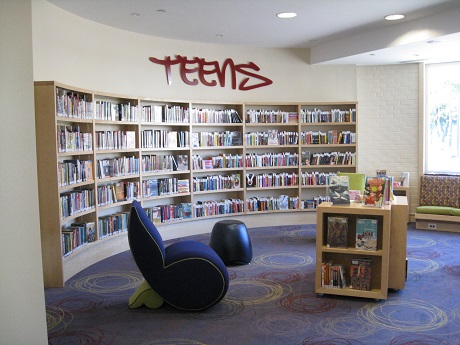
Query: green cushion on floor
x,y
435,210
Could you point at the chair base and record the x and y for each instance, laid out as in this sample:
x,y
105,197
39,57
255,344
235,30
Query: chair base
x,y
144,295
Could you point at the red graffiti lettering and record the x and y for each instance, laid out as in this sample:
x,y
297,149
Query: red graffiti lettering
x,y
209,73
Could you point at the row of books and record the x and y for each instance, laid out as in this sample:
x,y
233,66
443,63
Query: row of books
x,y
165,114
73,105
156,163
165,186
217,162
72,139
313,203
109,111
215,116
329,138
211,139
169,213
333,275
115,140
112,224
283,202
272,180
76,201
270,116
216,182
120,191
316,178
218,207
364,237
334,115
271,159
160,138
77,235
72,171
328,158
115,167
271,137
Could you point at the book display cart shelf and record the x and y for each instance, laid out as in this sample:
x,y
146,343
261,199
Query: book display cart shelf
x,y
388,268
188,163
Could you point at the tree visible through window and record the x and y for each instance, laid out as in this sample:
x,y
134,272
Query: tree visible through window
x,y
442,130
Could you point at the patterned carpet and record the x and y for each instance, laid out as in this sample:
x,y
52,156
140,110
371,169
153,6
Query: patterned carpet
x,y
270,301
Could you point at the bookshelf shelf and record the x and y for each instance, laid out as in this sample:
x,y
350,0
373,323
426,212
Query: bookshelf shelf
x,y
143,130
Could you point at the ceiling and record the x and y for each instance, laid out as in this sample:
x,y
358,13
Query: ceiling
x,y
334,31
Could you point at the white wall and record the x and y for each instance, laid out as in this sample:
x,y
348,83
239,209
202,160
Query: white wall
x,y
89,55
388,121
22,316
82,53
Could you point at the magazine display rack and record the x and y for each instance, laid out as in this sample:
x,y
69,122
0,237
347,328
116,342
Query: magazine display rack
x,y
391,221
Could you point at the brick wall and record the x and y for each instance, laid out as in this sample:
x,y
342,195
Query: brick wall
x,y
388,122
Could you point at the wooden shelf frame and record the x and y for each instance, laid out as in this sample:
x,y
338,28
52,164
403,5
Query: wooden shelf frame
x,y
58,269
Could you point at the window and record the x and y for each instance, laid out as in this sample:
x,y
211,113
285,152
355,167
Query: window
x,y
442,130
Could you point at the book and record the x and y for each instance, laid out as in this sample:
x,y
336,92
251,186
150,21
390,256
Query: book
x,y
374,191
156,215
366,234
186,210
360,274
90,232
338,190
120,191
250,180
273,137
89,170
171,139
183,186
130,139
337,232
305,156
182,162
152,188
235,180
284,202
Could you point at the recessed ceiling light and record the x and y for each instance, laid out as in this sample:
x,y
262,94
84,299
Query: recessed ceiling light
x,y
135,14
286,15
161,11
394,17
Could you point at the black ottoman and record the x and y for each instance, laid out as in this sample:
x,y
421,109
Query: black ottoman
x,y
230,240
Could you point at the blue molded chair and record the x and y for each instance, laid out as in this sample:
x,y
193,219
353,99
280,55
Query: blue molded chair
x,y
188,275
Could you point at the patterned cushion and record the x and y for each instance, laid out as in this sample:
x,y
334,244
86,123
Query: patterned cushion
x,y
440,191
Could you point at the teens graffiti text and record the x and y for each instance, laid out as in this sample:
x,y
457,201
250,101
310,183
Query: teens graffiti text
x,y
209,73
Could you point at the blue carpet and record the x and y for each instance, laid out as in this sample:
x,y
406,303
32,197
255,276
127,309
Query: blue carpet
x,y
270,301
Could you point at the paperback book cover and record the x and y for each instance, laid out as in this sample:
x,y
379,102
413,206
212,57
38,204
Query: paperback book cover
x,y
339,190
366,234
273,137
337,231
373,191
182,162
186,210
360,274
284,202
156,215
